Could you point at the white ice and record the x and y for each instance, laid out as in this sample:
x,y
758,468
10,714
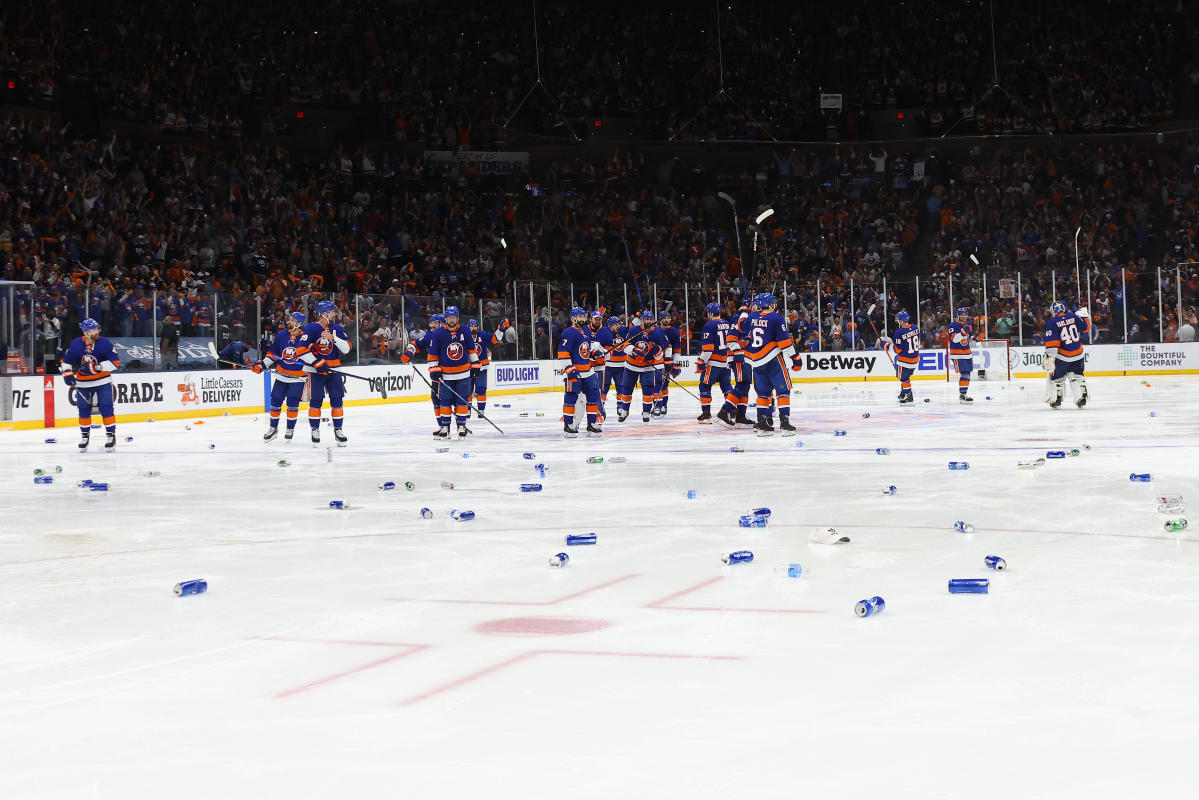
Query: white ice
x,y
372,653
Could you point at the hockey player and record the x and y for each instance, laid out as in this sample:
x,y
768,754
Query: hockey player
x,y
642,355
435,322
906,344
576,353
599,364
712,364
286,355
664,364
770,350
483,343
614,368
327,343
452,353
740,371
669,370
1063,354
961,334
88,365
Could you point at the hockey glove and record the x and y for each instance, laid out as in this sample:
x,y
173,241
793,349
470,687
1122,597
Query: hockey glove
x,y
405,358
676,371
700,366
796,363
68,378
257,367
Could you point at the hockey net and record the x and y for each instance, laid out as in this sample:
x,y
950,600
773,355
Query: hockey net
x,y
991,361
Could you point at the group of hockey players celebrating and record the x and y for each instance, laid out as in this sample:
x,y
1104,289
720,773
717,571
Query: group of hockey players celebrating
x,y
595,355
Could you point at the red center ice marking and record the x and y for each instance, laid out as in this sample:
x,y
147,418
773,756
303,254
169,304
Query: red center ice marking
x,y
409,649
554,602
661,603
499,665
540,626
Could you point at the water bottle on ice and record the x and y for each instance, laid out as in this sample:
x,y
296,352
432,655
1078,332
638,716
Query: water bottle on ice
x,y
963,527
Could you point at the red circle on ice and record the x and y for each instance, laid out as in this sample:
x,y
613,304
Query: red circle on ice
x,y
540,626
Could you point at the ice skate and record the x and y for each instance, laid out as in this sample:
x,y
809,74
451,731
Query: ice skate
x,y
727,418
764,427
290,433
340,437
570,431
744,420
965,398
906,399
85,437
786,427
705,417
464,431
595,430
622,414
1082,401
316,436
645,417
442,433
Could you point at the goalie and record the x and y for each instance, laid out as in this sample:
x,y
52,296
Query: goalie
x,y
1063,353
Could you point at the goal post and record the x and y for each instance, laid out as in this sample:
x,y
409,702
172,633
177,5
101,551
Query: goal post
x,y
992,361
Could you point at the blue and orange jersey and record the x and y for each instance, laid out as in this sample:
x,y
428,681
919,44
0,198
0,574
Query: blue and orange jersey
x,y
574,351
87,361
907,345
452,352
671,333
961,334
642,354
738,337
324,350
423,343
619,338
658,336
767,339
713,347
286,354
483,343
1063,336
607,340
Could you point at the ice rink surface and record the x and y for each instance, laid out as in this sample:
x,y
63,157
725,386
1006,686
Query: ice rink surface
x,y
373,653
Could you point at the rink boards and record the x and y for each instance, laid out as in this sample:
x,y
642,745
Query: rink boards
x,y
45,401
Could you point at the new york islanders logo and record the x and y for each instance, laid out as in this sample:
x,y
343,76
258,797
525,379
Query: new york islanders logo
x,y
584,351
454,351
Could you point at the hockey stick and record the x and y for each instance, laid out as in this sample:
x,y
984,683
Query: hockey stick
x,y
482,416
670,379
372,381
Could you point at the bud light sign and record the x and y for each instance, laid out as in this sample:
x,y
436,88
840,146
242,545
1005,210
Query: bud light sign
x,y
516,374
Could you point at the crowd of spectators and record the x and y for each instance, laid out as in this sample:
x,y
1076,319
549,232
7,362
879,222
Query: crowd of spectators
x,y
201,241
455,74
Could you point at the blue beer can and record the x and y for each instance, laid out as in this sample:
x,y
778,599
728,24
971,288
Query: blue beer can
x,y
580,538
869,607
737,557
184,588
969,585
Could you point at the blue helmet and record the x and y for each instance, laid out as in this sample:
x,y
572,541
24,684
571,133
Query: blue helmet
x,y
597,314
472,323
451,311
325,307
665,315
437,318
89,324
712,308
298,316
963,310
903,316
764,300
1058,307
613,321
